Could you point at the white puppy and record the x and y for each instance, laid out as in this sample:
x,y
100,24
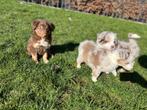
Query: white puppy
x,y
98,59
127,51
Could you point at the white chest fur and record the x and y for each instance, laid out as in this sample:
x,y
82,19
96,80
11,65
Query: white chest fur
x,y
43,43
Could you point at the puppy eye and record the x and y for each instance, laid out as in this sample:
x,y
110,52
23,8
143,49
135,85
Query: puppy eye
x,y
103,41
106,41
115,42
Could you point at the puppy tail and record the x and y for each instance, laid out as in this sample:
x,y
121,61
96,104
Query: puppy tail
x,y
133,36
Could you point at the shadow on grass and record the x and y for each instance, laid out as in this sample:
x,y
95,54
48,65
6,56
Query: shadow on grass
x,y
133,78
143,61
70,46
55,49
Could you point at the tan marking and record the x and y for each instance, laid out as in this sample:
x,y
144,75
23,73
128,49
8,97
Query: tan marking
x,y
122,62
86,50
95,59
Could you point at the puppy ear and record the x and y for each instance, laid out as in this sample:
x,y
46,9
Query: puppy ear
x,y
51,26
101,39
35,24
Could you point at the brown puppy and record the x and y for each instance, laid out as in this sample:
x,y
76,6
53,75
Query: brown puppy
x,y
40,40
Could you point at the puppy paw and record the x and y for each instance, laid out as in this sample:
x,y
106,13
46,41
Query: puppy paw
x,y
46,61
78,66
36,62
121,70
94,79
107,72
52,56
114,73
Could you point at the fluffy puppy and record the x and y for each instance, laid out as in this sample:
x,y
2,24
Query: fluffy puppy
x,y
127,51
40,40
98,59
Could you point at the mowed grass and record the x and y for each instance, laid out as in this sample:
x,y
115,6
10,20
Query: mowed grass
x,y
58,85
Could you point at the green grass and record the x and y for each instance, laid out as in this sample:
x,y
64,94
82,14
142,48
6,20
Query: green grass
x,y
58,85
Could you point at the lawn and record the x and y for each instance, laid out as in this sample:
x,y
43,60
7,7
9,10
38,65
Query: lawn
x,y
59,85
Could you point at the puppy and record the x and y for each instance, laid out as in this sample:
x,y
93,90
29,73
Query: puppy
x,y
98,59
127,51
40,40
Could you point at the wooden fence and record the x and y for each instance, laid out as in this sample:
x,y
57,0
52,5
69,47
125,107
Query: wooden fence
x,y
127,9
